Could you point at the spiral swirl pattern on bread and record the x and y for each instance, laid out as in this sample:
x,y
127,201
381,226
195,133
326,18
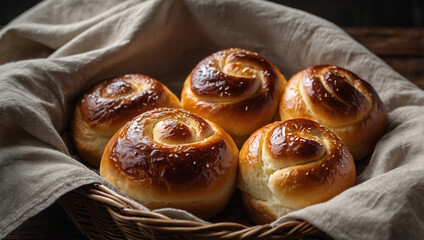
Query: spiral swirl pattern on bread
x,y
339,100
237,89
173,158
289,165
110,104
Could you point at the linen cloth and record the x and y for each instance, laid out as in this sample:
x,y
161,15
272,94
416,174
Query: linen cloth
x,y
54,52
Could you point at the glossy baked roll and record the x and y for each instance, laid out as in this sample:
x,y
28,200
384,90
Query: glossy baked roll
x,y
237,89
109,105
173,158
339,100
289,165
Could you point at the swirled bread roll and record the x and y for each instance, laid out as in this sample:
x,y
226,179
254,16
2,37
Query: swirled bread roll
x,y
339,100
289,165
110,104
173,158
237,89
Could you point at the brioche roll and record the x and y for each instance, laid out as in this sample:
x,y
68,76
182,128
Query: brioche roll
x,y
285,166
339,100
110,104
173,158
237,89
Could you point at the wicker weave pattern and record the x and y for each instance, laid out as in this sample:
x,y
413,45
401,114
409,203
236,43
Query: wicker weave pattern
x,y
100,213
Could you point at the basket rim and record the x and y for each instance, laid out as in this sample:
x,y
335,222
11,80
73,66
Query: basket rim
x,y
122,210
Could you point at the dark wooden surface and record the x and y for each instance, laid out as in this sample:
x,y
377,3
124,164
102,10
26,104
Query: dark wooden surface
x,y
401,48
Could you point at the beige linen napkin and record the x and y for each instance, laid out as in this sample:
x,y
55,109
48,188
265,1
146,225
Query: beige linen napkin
x,y
57,50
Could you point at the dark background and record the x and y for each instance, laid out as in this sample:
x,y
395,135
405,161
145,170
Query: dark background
x,y
356,13
364,13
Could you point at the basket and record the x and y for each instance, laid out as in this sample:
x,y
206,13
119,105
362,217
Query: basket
x,y
100,213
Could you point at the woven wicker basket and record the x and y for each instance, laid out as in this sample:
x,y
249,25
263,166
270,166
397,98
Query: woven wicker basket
x,y
100,213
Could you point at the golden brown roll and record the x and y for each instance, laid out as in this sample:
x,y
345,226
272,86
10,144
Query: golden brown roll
x,y
289,165
237,89
173,158
109,105
339,100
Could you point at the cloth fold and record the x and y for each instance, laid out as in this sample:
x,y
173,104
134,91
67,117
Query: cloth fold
x,y
55,51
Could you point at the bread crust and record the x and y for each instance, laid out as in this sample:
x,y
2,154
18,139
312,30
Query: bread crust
x,y
110,104
237,89
339,100
290,165
173,158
